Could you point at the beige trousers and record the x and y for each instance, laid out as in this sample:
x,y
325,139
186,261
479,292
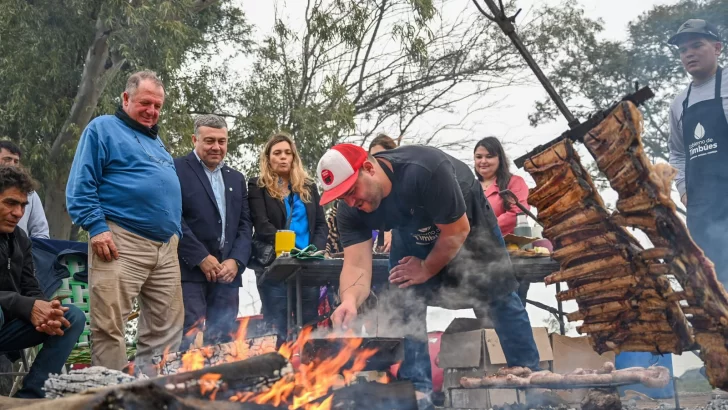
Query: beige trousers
x,y
149,270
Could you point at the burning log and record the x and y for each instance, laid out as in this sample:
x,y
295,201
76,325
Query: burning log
x,y
241,349
252,375
381,353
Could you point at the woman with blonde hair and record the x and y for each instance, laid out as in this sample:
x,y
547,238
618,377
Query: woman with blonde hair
x,y
285,197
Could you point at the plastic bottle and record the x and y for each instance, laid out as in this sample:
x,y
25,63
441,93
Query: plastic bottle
x,y
537,231
523,228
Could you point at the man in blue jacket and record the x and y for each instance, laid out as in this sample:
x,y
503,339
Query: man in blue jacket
x,y
216,243
124,191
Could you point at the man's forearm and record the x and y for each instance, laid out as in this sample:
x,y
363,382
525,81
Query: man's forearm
x,y
445,249
356,274
355,284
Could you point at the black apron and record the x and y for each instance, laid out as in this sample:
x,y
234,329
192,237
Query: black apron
x,y
705,136
480,272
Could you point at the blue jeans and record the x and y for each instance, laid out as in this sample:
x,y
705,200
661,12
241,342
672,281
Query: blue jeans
x,y
19,334
507,313
274,307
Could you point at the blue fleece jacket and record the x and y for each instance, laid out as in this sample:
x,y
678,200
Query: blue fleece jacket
x,y
126,177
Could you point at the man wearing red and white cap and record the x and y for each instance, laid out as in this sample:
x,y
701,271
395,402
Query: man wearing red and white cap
x,y
447,245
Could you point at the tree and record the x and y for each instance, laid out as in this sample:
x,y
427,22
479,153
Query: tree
x,y
552,324
63,62
357,68
592,74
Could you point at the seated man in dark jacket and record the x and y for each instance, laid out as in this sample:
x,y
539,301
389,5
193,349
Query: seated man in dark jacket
x,y
27,319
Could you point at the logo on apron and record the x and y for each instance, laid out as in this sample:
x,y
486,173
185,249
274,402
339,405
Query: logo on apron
x,y
702,147
699,132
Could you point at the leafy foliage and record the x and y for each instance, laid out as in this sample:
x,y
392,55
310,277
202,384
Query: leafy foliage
x,y
63,62
358,68
591,74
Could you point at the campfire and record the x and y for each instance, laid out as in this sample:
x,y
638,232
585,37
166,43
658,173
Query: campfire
x,y
249,373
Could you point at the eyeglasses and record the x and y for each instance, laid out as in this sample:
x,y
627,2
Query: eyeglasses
x,y
160,161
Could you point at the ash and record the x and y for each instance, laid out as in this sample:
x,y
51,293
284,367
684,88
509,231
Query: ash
x,y
77,381
716,404
527,407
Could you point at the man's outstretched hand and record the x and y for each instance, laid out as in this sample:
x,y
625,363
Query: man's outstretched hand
x,y
344,315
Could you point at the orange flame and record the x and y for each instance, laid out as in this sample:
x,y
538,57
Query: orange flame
x,y
309,388
315,380
208,383
165,357
195,359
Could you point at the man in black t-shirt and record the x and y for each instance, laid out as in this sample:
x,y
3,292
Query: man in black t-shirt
x,y
448,246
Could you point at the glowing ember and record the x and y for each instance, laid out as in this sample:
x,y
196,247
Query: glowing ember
x,y
208,384
195,359
165,356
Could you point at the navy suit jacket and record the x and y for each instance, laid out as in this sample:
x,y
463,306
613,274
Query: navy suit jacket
x,y
202,224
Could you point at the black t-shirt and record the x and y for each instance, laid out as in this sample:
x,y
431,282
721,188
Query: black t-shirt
x,y
428,187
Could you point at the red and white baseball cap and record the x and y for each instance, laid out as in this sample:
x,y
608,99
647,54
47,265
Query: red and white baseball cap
x,y
338,170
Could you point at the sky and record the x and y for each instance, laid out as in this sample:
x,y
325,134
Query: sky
x,y
508,121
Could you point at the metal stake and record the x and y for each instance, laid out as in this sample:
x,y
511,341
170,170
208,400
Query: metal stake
x,y
506,24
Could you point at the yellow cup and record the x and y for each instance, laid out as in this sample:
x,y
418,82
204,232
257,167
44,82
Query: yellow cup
x,y
285,241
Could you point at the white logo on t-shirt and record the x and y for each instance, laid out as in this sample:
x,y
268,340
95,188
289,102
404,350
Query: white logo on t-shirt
x,y
699,131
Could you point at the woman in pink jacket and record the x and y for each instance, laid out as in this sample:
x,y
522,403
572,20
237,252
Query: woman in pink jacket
x,y
491,167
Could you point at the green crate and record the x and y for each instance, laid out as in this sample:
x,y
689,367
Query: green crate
x,y
76,293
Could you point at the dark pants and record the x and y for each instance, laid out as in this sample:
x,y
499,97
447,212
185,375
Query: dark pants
x,y
507,313
19,334
214,303
511,323
523,288
274,301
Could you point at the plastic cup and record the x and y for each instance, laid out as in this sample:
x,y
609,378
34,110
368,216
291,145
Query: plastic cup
x,y
285,241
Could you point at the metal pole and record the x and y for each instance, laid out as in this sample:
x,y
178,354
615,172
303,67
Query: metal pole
x,y
509,29
289,307
299,303
674,388
559,305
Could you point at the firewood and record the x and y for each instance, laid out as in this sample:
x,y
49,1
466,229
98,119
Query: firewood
x,y
171,363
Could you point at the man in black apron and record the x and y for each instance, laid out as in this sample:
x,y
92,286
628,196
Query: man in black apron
x,y
699,141
448,250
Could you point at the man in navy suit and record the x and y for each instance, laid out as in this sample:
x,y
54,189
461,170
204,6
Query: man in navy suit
x,y
217,234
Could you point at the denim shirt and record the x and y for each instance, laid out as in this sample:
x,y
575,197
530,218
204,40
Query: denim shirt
x,y
299,221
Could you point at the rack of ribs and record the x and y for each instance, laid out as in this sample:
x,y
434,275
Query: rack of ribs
x,y
627,300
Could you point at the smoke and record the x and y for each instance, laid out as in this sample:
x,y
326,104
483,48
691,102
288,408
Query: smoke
x,y
389,312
